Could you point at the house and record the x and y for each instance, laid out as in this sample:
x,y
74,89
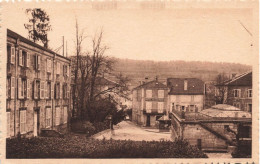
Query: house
x,y
238,91
213,129
186,94
38,88
149,103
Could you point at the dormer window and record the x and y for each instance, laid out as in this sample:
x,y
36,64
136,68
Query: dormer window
x,y
185,85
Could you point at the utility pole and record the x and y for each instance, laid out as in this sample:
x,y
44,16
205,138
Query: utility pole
x,y
63,45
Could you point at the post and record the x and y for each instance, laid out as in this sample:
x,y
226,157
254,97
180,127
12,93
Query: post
x,y
63,45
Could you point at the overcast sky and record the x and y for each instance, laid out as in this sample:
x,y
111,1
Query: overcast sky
x,y
176,34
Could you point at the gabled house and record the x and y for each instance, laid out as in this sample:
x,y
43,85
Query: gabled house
x,y
37,88
149,103
186,94
239,91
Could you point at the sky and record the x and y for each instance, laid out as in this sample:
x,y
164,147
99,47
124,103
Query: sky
x,y
161,35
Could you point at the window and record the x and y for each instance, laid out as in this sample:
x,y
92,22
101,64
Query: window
x,y
185,85
65,70
57,116
65,114
48,117
160,93
22,121
249,107
36,89
21,88
57,91
48,90
8,124
249,93
64,91
149,93
191,108
148,107
237,92
8,87
160,107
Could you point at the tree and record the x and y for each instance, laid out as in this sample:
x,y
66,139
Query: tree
x,y
221,90
38,26
87,67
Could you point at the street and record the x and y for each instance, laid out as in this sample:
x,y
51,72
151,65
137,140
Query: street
x,y
126,130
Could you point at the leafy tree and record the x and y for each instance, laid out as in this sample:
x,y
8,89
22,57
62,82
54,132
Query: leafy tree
x,y
221,90
38,26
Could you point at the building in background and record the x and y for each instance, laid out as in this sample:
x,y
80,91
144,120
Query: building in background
x,y
38,88
186,94
239,91
214,129
149,103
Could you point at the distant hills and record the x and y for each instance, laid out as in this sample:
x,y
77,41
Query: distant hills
x,y
137,70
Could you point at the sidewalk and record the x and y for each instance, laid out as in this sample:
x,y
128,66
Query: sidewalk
x,y
148,129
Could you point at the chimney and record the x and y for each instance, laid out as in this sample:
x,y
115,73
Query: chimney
x,y
185,85
146,79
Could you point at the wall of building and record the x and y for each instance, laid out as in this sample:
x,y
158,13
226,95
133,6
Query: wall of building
x,y
242,101
29,74
186,100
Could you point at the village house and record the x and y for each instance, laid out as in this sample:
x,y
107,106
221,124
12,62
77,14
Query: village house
x,y
38,88
238,91
186,94
215,129
149,103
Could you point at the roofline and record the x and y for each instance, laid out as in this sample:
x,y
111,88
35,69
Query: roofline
x,y
140,86
11,34
236,78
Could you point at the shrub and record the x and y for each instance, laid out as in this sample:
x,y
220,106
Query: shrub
x,y
80,147
80,126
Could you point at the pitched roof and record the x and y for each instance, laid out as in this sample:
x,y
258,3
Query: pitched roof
x,y
103,81
14,35
152,84
194,86
244,79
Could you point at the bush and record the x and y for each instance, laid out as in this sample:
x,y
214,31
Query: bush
x,y
100,126
80,126
80,147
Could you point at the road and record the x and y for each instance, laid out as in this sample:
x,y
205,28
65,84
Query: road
x,y
126,130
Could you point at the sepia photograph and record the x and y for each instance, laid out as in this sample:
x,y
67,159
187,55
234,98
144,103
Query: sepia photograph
x,y
138,81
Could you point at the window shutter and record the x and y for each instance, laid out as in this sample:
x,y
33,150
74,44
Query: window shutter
x,y
61,91
35,96
58,68
19,84
27,60
38,62
20,58
52,90
28,88
65,114
57,118
12,55
42,90
68,92
8,124
46,90
12,87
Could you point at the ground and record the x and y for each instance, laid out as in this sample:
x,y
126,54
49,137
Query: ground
x,y
127,130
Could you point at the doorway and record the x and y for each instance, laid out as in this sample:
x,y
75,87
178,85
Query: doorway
x,y
148,119
36,122
199,143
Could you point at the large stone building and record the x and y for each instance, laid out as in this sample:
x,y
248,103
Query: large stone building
x,y
149,103
38,88
186,94
238,91
214,129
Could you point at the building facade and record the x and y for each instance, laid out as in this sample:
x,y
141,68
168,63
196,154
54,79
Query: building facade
x,y
238,91
186,94
38,88
149,103
214,129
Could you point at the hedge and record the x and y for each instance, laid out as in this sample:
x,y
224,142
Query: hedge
x,y
82,147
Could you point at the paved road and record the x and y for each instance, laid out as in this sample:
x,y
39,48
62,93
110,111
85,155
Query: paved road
x,y
126,130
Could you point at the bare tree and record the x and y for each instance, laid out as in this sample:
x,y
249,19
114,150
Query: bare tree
x,y
221,90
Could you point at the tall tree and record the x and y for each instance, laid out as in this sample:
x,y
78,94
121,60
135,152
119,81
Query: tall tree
x,y
221,90
38,26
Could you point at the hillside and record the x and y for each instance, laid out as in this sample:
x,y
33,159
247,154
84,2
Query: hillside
x,y
137,70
